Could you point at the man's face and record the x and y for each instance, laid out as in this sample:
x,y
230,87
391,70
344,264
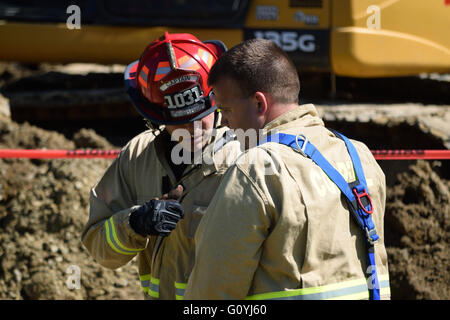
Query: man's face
x,y
238,111
193,135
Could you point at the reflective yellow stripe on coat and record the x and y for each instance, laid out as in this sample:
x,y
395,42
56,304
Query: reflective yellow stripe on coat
x,y
347,290
114,242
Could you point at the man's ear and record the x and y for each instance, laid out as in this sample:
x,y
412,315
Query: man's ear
x,y
262,102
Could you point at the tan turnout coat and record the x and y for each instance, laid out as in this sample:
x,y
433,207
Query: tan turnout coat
x,y
278,227
136,176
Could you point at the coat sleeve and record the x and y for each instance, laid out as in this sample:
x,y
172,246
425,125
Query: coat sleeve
x,y
107,235
229,240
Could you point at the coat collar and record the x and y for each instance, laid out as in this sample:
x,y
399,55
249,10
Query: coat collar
x,y
305,115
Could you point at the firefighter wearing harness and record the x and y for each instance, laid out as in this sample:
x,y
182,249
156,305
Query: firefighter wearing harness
x,y
300,215
128,217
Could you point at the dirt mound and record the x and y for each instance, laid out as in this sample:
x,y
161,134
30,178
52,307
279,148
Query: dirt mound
x,y
88,138
43,206
417,229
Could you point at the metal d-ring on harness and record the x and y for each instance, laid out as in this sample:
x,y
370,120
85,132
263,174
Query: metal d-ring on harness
x,y
356,193
302,148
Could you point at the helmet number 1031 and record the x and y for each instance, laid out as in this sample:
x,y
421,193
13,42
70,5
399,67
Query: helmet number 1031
x,y
184,98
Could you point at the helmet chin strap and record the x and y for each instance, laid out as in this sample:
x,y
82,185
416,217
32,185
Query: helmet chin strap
x,y
217,118
156,128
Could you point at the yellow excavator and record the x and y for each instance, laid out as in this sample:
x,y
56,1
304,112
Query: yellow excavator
x,y
357,38
348,38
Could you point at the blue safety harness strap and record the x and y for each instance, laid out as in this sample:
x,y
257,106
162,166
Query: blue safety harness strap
x,y
356,193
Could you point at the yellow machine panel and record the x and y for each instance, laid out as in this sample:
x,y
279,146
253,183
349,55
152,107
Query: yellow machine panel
x,y
373,38
92,43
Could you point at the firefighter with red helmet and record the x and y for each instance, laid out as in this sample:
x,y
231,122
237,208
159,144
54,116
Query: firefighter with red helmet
x,y
133,208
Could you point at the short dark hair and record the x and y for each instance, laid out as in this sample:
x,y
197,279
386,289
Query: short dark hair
x,y
259,65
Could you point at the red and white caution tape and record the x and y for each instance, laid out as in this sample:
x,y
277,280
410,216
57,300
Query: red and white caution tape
x,y
111,154
411,154
58,154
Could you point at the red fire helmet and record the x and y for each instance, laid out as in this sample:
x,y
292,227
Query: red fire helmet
x,y
168,84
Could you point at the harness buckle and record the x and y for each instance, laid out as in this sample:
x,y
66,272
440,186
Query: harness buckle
x,y
359,196
301,149
369,235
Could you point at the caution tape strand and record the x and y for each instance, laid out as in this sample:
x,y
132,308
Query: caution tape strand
x,y
58,154
401,154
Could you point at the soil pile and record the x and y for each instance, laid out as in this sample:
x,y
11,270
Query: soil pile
x,y
43,207
417,228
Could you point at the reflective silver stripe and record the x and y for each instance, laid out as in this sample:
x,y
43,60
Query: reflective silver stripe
x,y
154,288
143,75
188,64
180,288
384,283
354,289
150,285
179,293
205,57
162,70
330,294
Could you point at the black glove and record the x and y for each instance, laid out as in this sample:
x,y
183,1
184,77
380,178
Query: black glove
x,y
156,217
